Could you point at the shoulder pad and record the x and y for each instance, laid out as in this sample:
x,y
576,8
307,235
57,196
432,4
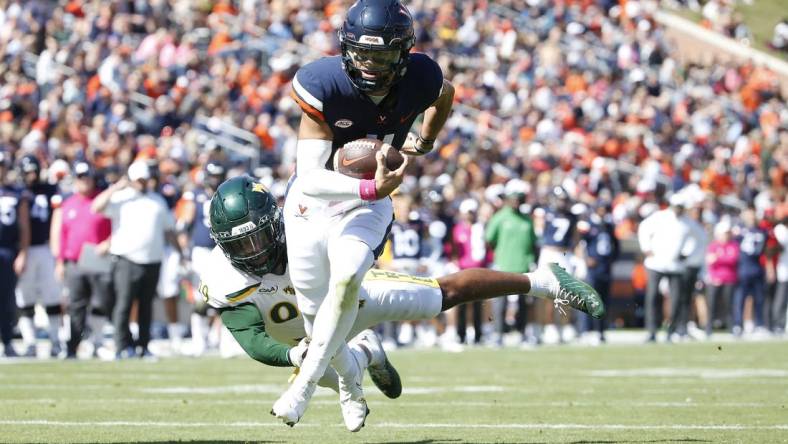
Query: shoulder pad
x,y
224,286
310,86
429,76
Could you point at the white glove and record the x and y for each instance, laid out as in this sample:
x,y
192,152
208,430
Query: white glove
x,y
298,353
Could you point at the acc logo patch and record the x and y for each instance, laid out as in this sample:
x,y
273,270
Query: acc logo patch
x,y
258,188
343,123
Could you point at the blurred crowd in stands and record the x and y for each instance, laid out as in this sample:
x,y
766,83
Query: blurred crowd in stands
x,y
570,117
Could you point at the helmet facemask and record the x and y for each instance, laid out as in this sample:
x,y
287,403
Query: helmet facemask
x,y
373,69
258,251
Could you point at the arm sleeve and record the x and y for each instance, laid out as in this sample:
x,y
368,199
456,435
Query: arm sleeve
x,y
247,327
315,180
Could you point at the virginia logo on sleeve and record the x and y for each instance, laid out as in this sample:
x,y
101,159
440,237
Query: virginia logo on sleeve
x,y
343,123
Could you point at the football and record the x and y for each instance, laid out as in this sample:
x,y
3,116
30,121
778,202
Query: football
x,y
357,158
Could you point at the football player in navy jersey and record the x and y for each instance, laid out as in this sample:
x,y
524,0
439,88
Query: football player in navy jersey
x,y
337,224
408,251
559,236
408,240
37,284
601,250
14,243
195,237
751,273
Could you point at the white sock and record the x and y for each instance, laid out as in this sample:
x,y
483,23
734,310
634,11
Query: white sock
x,y
346,363
540,284
28,330
174,331
405,333
54,328
330,380
214,334
134,328
198,325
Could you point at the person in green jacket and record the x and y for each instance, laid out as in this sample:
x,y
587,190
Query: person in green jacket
x,y
511,235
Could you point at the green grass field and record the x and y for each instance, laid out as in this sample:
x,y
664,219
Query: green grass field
x,y
689,393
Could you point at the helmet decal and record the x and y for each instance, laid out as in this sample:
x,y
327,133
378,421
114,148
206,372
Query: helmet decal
x,y
241,229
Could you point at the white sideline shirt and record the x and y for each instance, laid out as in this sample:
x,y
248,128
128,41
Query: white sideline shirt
x,y
139,221
781,233
664,235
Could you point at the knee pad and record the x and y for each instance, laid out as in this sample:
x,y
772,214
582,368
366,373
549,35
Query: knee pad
x,y
54,310
27,312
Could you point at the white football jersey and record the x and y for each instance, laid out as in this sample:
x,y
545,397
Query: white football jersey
x,y
225,286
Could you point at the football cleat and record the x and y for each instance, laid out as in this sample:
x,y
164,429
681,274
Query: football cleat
x,y
352,403
382,373
567,290
290,407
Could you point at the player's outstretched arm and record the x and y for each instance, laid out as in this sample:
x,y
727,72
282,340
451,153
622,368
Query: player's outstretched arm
x,y
552,282
247,327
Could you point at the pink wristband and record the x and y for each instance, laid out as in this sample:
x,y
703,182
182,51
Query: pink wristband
x,y
367,190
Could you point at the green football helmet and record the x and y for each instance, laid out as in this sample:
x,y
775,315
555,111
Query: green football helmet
x,y
247,225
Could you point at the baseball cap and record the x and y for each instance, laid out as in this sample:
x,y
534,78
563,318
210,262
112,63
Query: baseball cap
x,y
139,170
468,206
83,169
516,187
676,200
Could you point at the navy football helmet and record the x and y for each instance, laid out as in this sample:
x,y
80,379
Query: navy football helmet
x,y
376,39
